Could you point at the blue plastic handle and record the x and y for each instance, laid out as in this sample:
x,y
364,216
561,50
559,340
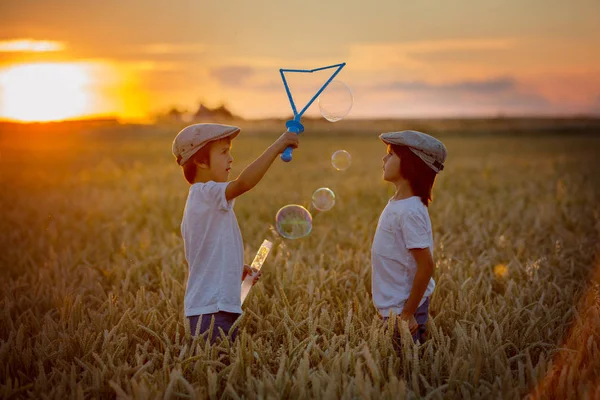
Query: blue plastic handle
x,y
296,127
287,154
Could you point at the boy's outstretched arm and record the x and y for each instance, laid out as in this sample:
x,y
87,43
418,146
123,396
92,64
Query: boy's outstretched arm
x,y
255,171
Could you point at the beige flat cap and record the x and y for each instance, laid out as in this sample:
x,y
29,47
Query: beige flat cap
x,y
192,138
427,148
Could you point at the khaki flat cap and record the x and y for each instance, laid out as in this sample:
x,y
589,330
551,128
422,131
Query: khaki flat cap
x,y
427,148
192,138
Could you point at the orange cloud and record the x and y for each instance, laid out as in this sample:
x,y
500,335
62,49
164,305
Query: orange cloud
x,y
30,45
173,48
384,55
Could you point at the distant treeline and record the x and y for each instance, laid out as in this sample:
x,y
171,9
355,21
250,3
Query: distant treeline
x,y
434,126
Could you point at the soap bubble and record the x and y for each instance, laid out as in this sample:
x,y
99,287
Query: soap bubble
x,y
323,199
341,160
335,102
293,221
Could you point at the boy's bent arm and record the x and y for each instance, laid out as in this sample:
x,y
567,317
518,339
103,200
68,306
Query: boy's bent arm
x,y
251,175
255,171
422,277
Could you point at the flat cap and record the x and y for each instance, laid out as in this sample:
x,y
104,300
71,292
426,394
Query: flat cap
x,y
426,147
192,138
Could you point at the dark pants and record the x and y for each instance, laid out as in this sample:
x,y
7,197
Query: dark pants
x,y
421,315
223,320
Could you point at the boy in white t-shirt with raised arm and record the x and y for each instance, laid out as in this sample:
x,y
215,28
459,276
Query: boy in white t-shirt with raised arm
x,y
402,251
211,235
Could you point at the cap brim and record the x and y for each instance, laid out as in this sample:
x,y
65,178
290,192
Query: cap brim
x,y
384,140
229,134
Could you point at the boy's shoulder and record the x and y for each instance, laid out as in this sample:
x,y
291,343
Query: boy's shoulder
x,y
210,193
206,186
406,208
406,205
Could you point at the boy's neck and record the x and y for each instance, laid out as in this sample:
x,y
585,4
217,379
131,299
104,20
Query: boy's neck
x,y
403,190
202,176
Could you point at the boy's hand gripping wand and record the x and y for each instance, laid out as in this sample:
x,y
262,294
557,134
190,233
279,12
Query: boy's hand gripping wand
x,y
294,125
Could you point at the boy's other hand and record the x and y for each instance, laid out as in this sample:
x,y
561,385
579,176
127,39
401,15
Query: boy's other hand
x,y
413,325
257,275
247,270
251,271
285,140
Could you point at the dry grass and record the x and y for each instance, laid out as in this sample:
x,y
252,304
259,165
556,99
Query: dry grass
x,y
93,273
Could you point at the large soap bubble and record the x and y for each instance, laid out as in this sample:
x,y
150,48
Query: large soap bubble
x,y
335,102
293,221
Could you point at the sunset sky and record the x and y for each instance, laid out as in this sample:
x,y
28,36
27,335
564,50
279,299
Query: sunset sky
x,y
66,58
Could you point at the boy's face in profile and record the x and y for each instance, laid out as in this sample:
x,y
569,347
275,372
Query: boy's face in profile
x,y
391,166
220,160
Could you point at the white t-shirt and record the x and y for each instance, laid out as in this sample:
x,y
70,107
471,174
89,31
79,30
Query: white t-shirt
x,y
403,225
213,249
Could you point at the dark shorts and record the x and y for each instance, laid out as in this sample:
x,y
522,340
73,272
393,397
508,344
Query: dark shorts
x,y
421,315
223,320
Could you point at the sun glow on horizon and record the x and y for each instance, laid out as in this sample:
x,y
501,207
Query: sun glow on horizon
x,y
54,91
45,91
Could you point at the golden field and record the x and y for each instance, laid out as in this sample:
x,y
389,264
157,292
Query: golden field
x,y
93,270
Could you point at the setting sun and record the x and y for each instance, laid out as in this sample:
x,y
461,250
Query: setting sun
x,y
45,91
54,91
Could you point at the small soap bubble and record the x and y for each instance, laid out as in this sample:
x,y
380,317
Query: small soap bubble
x,y
335,102
293,221
323,199
341,160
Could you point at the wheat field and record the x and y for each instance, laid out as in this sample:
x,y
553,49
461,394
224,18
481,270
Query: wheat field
x,y
93,271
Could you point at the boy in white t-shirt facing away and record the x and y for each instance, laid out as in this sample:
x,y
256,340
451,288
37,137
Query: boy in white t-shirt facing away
x,y
402,250
211,235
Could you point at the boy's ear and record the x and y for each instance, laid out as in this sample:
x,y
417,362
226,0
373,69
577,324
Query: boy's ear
x,y
202,165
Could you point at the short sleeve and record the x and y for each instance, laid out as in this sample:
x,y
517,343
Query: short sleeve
x,y
214,193
415,230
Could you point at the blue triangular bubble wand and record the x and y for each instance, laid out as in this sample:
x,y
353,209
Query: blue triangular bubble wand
x,y
294,125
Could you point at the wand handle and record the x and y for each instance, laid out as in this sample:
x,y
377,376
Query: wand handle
x,y
296,127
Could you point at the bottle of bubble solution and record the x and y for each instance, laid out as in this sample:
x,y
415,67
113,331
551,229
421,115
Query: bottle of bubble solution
x,y
259,259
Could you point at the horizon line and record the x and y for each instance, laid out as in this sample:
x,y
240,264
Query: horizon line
x,y
153,120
